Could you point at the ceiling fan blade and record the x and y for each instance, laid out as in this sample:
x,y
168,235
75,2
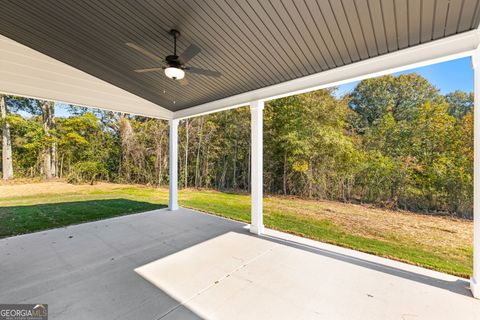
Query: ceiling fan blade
x,y
148,70
189,53
144,51
209,73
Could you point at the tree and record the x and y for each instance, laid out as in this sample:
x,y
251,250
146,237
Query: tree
x,y
82,139
49,152
7,161
459,103
373,98
7,104
309,152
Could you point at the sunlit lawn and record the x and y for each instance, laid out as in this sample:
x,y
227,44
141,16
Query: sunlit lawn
x,y
439,243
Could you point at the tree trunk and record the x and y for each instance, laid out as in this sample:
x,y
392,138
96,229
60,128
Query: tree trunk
x,y
207,180
54,144
234,182
47,151
160,167
61,167
285,174
7,160
159,163
126,139
310,178
47,163
186,155
197,163
223,182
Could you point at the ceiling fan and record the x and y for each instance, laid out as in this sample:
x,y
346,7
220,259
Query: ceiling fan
x,y
174,65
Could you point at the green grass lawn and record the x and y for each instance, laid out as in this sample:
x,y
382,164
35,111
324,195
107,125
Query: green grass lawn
x,y
28,213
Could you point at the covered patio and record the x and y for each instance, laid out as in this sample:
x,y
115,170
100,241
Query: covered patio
x,y
180,263
190,265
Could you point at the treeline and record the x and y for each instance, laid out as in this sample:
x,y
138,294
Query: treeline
x,y
394,141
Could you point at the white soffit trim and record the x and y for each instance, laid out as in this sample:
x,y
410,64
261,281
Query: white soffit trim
x,y
453,47
29,73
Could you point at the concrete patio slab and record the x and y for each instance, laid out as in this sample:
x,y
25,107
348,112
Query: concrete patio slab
x,y
190,265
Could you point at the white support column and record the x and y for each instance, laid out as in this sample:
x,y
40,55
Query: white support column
x,y
475,279
256,109
173,165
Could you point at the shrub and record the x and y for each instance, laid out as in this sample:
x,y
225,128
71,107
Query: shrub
x,y
87,172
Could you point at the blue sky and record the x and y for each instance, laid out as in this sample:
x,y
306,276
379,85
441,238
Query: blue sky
x,y
447,76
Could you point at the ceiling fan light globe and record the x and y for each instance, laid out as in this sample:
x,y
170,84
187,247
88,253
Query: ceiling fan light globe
x,y
174,73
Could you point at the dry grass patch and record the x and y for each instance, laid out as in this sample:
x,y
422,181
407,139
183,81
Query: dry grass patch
x,y
382,224
16,189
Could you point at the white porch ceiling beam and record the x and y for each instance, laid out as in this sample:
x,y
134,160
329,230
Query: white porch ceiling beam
x,y
436,51
29,73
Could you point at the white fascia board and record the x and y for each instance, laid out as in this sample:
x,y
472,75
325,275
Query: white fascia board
x,y
29,73
453,47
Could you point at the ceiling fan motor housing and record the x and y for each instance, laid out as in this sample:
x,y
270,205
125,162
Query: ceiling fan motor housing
x,y
172,61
